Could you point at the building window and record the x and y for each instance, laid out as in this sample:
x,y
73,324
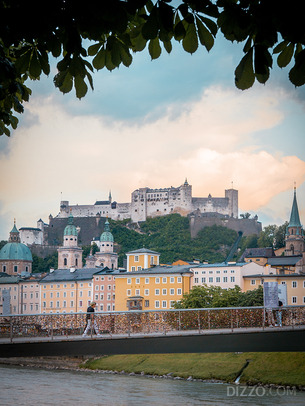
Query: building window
x,y
80,303
157,304
146,281
211,279
157,280
232,278
294,299
179,279
146,303
51,304
109,287
137,281
129,281
253,282
172,280
172,291
157,291
217,279
15,268
44,304
139,268
97,287
128,292
146,292
72,303
65,261
164,280
102,296
164,304
133,268
294,284
179,291
225,279
164,291
4,268
196,280
136,258
137,292
57,304
202,280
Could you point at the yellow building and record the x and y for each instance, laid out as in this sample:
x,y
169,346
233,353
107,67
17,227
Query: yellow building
x,y
141,259
295,285
67,290
151,289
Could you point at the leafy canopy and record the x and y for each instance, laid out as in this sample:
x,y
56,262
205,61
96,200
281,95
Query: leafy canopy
x,y
214,296
31,31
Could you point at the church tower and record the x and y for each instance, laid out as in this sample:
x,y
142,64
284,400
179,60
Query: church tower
x,y
295,244
70,254
106,256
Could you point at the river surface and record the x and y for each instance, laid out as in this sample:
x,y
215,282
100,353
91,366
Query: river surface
x,y
37,387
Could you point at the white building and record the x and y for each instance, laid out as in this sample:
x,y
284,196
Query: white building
x,y
224,275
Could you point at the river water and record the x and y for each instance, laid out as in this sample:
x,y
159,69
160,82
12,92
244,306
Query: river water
x,y
36,387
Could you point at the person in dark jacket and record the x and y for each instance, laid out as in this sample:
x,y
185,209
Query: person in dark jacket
x,y
91,323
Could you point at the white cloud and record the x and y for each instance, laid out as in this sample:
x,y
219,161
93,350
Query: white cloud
x,y
209,141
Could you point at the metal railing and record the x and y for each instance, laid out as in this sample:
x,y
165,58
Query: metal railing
x,y
150,322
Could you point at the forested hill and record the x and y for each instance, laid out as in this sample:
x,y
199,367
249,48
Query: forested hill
x,y
170,235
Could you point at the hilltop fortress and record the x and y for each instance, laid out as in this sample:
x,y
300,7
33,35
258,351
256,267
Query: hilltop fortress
x,y
146,202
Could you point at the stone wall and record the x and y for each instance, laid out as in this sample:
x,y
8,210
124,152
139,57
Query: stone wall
x,y
247,226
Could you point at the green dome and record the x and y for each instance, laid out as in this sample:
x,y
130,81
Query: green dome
x,y
16,251
106,236
70,229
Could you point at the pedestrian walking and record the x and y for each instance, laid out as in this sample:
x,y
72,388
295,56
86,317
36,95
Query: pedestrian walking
x,y
279,314
91,323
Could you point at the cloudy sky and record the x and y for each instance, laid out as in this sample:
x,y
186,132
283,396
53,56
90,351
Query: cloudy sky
x,y
155,124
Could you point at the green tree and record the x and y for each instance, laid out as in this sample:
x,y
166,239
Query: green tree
x,y
273,236
214,296
44,264
105,34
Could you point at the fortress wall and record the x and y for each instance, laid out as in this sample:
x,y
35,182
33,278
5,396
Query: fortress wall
x,y
247,226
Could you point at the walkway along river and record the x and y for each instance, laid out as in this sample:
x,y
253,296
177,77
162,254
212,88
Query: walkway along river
x,y
35,387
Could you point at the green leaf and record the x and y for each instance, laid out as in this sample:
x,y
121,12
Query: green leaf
x,y
190,41
14,122
297,73
126,56
22,63
205,37
154,48
93,49
100,59
285,56
280,47
138,42
244,74
108,61
44,62
67,83
168,46
80,87
179,31
35,68
212,26
151,27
